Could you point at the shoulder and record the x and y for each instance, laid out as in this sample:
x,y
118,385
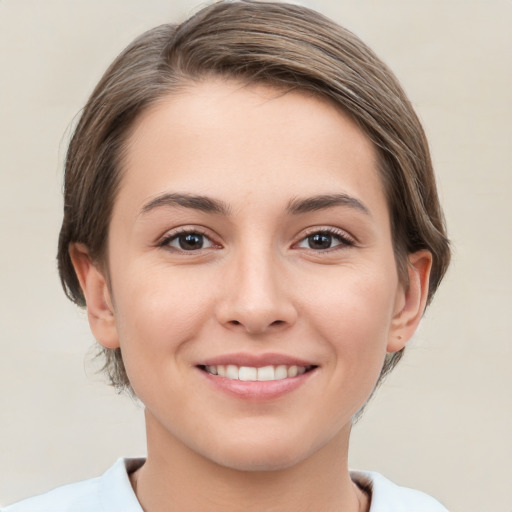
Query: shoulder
x,y
110,492
75,497
389,497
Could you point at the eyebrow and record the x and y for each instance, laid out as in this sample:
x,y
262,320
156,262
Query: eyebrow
x,y
295,206
321,202
201,203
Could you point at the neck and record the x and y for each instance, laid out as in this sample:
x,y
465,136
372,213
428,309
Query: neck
x,y
175,474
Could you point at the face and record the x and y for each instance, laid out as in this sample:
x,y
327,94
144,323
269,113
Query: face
x,y
253,286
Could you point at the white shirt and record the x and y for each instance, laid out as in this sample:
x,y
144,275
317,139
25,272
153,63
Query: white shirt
x,y
112,492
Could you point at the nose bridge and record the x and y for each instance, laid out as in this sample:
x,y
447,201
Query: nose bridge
x,y
255,297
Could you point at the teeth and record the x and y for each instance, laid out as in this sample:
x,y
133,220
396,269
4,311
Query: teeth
x,y
247,373
266,373
281,372
251,373
232,371
212,369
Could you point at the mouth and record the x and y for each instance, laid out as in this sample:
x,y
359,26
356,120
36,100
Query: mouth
x,y
257,377
256,374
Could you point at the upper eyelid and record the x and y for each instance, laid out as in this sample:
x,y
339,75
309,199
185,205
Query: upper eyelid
x,y
182,230
342,233
192,228
346,241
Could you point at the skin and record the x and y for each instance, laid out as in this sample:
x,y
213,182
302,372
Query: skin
x,y
258,286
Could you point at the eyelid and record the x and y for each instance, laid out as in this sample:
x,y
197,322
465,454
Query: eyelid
x,y
347,240
172,234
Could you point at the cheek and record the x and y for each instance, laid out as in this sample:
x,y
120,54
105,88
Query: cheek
x,y
159,316
353,316
159,311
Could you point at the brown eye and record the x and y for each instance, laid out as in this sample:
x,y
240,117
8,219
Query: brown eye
x,y
191,241
325,240
320,241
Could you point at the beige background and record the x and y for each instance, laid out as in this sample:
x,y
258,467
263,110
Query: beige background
x,y
442,422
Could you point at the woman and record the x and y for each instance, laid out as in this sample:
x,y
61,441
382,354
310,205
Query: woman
x,y
251,220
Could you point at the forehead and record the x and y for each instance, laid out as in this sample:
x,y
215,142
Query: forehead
x,y
235,141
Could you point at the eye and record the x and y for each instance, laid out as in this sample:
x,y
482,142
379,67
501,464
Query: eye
x,y
324,240
188,241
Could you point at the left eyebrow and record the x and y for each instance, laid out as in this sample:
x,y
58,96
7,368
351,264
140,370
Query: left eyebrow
x,y
321,202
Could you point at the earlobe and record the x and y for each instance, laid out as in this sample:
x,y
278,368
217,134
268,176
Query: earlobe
x,y
94,286
414,300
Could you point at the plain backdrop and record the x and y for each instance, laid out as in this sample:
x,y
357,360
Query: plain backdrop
x,y
441,423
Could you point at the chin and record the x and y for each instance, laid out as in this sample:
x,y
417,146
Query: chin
x,y
260,462
259,456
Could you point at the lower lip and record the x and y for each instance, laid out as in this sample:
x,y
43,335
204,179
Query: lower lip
x,y
257,391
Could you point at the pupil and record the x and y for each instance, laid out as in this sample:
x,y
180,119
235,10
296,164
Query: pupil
x,y
191,241
320,241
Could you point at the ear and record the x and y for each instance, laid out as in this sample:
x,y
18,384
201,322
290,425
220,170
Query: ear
x,y
94,286
411,301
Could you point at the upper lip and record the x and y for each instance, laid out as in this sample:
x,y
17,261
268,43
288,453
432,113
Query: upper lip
x,y
255,360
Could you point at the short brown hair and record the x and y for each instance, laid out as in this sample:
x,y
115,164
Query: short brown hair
x,y
256,42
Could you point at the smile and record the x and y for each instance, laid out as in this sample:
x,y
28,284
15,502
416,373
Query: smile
x,y
252,373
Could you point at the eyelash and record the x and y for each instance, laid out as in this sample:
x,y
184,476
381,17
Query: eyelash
x,y
344,239
166,241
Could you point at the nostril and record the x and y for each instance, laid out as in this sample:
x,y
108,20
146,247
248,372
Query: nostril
x,y
256,325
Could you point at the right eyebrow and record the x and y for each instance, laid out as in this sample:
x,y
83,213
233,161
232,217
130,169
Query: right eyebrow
x,y
195,202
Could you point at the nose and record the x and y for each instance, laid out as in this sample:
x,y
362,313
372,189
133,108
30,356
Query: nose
x,y
256,297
